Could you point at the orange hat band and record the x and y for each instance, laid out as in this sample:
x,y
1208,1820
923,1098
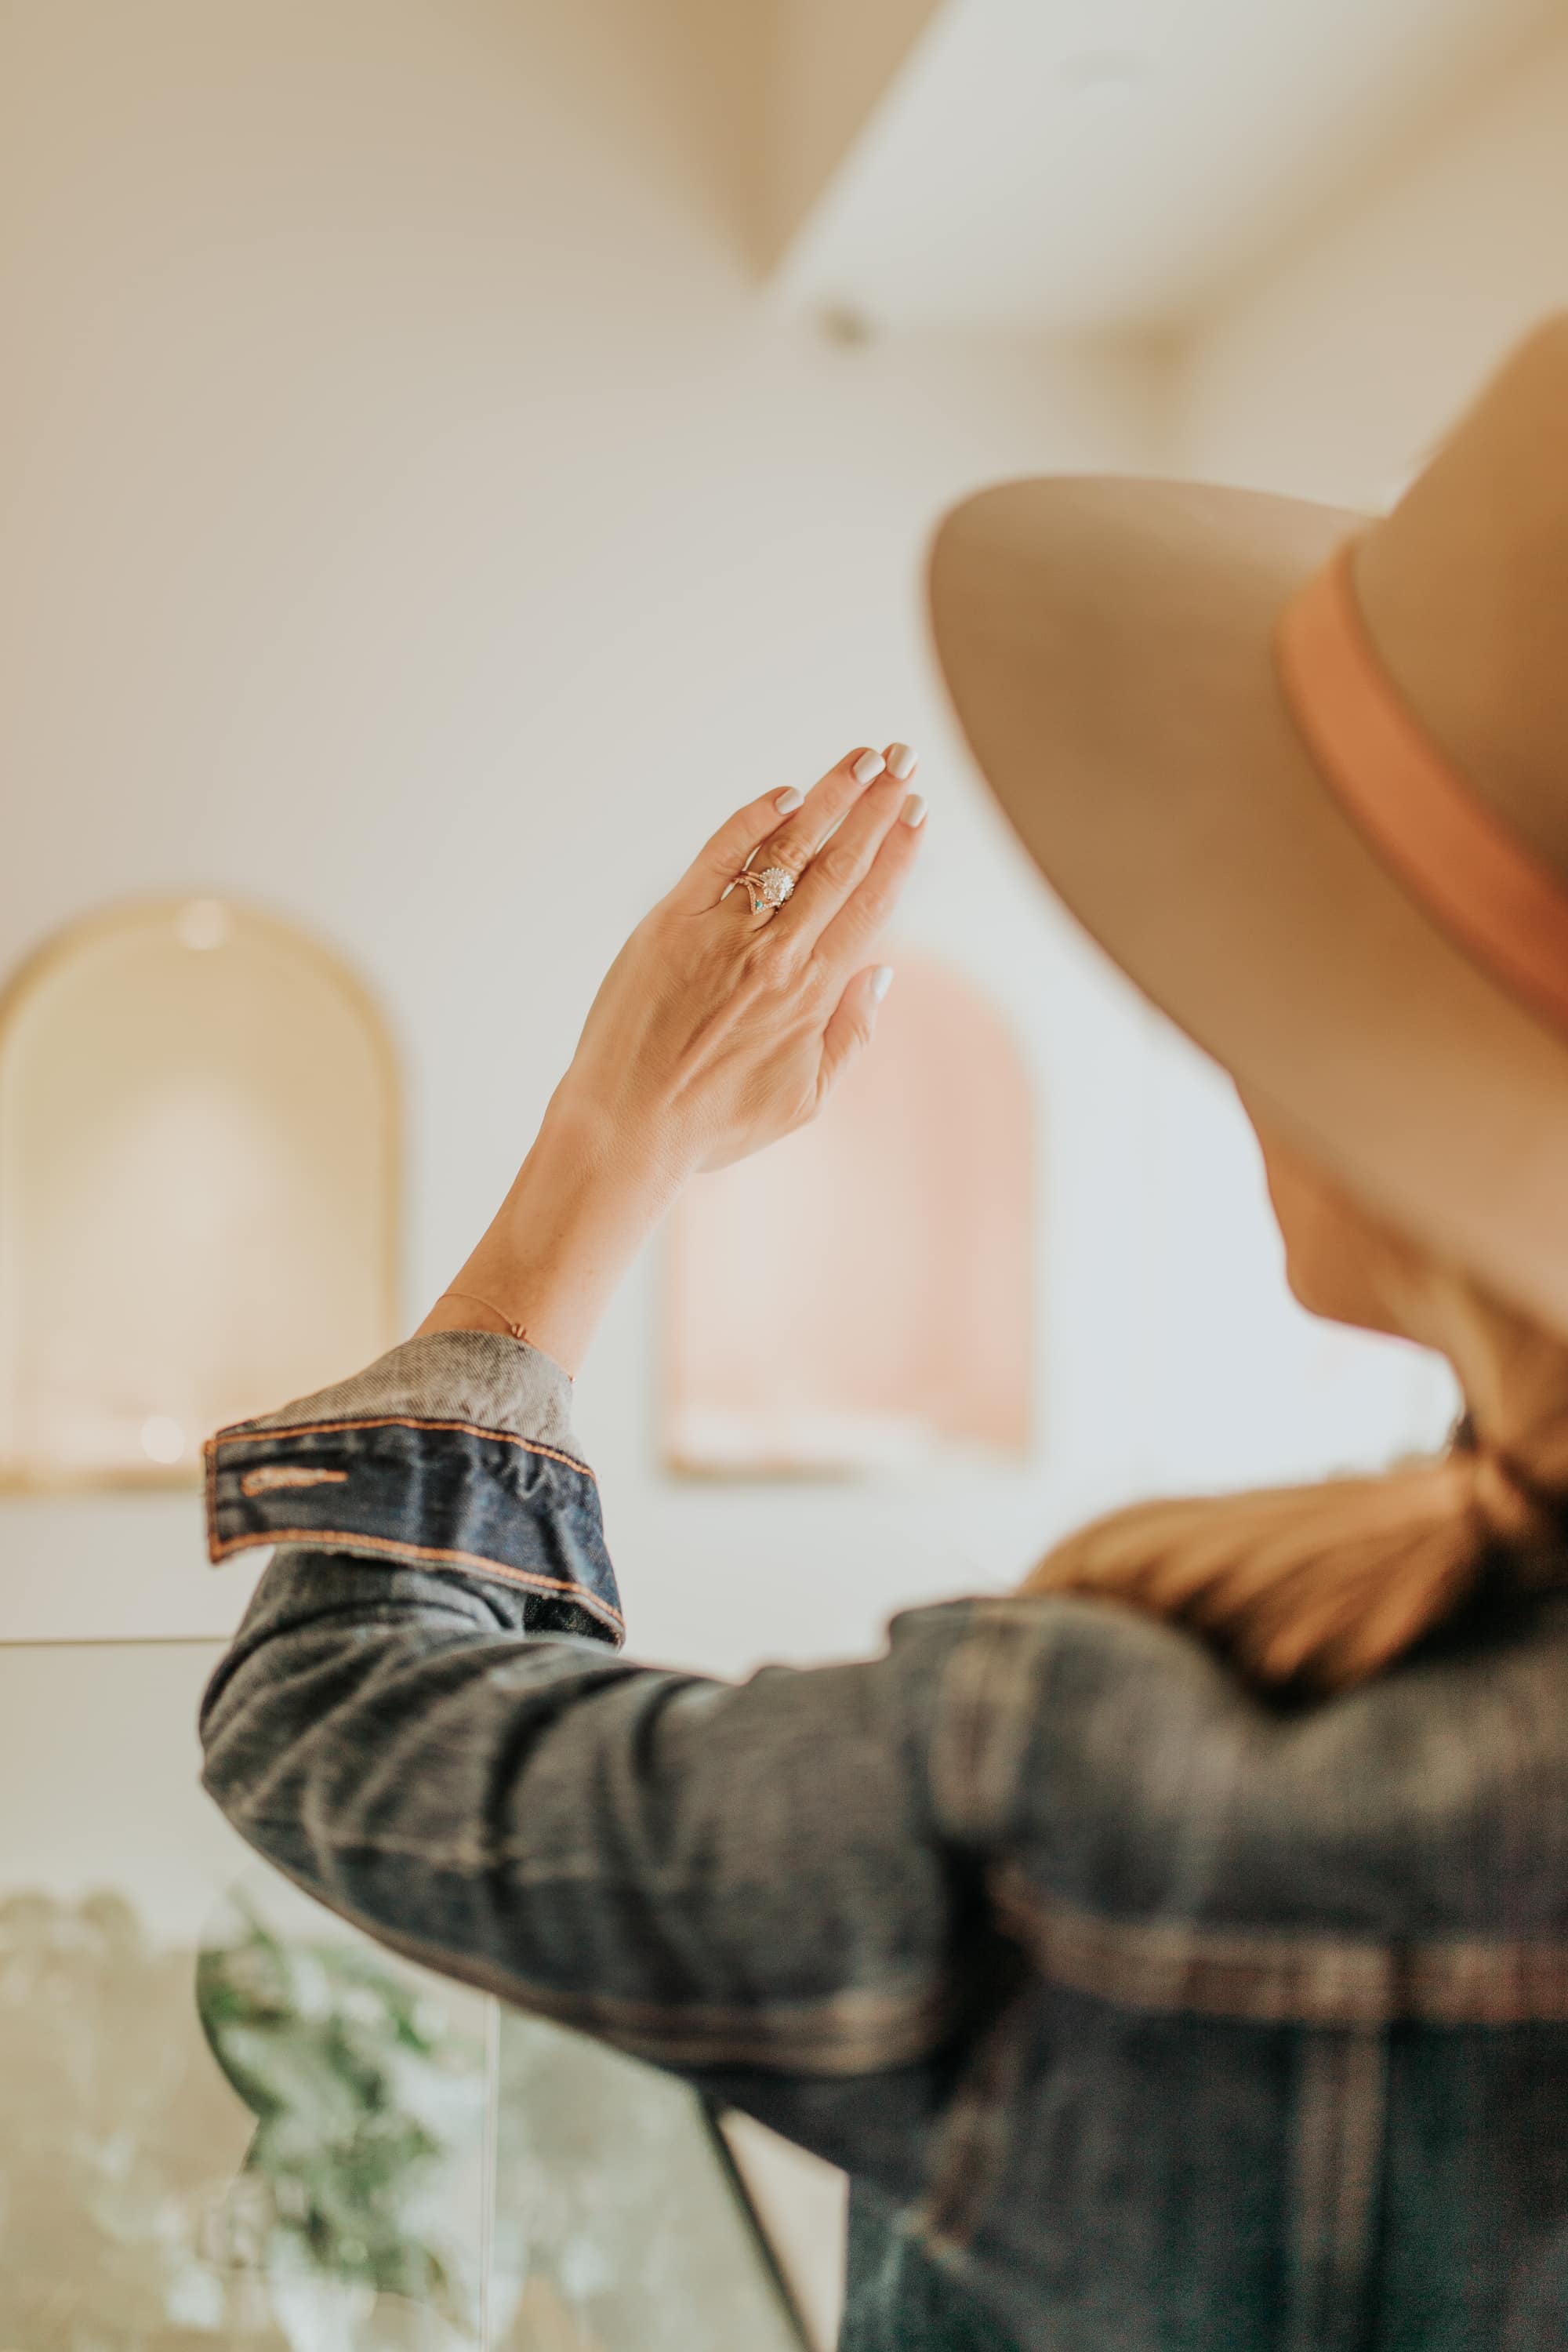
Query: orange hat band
x,y
1490,890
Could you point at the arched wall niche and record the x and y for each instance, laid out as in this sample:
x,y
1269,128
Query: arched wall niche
x,y
199,1188
861,1298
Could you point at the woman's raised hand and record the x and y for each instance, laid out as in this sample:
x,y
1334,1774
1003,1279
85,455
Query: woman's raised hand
x,y
721,1028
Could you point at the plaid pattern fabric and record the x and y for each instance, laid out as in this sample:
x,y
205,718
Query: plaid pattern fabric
x,y
1143,2013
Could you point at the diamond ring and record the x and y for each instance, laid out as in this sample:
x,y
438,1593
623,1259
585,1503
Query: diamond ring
x,y
771,887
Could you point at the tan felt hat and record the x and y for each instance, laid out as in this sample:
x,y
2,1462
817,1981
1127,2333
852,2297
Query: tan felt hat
x,y
1304,775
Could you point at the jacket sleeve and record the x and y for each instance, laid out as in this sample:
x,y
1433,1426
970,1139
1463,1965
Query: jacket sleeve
x,y
426,1722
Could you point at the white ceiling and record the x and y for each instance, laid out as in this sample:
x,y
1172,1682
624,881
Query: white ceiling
x,y
1065,164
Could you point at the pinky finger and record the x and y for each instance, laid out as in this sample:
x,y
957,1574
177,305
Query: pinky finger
x,y
718,862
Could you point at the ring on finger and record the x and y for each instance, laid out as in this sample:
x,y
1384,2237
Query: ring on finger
x,y
768,887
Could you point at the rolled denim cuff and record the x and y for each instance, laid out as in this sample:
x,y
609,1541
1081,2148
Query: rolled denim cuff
x,y
450,1452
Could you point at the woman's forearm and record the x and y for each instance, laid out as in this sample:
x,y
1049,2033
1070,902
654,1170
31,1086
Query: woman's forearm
x,y
582,1205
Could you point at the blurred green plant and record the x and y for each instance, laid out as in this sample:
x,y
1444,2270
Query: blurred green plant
x,y
141,2211
362,2093
319,2188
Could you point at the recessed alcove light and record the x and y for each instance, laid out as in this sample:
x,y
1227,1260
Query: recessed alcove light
x,y
204,923
890,1323
198,1188
162,1439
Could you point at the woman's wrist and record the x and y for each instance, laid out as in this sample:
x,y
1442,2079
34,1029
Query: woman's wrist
x,y
582,1205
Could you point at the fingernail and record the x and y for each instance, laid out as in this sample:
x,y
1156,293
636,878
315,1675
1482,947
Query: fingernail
x,y
881,981
788,801
868,766
901,762
913,811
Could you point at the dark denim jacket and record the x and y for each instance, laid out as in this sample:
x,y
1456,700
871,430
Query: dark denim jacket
x,y
1143,2014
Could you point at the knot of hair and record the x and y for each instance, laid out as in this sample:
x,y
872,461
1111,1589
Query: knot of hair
x,y
1317,1587
1513,1509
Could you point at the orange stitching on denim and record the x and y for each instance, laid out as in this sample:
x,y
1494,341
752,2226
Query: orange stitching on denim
x,y
273,1474
326,1539
240,1435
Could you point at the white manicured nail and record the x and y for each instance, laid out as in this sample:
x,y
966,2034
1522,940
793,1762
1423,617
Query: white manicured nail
x,y
901,763
881,981
788,801
914,810
869,765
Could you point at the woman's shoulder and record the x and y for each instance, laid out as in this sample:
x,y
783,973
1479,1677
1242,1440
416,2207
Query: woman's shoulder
x,y
1118,1766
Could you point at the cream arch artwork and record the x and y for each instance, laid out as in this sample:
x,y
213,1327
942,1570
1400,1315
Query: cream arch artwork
x,y
861,1297
198,1188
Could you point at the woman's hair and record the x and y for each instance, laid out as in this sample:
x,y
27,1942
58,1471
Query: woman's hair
x,y
1321,1586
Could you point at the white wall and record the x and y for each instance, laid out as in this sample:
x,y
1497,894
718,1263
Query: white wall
x,y
829,70
414,521
1332,374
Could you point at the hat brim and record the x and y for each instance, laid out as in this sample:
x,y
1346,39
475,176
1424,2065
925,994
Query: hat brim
x,y
1107,647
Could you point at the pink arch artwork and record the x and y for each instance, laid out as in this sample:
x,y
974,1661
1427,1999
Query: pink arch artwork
x,y
861,1298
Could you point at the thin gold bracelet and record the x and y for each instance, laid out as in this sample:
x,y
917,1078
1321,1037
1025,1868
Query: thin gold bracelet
x,y
516,1329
